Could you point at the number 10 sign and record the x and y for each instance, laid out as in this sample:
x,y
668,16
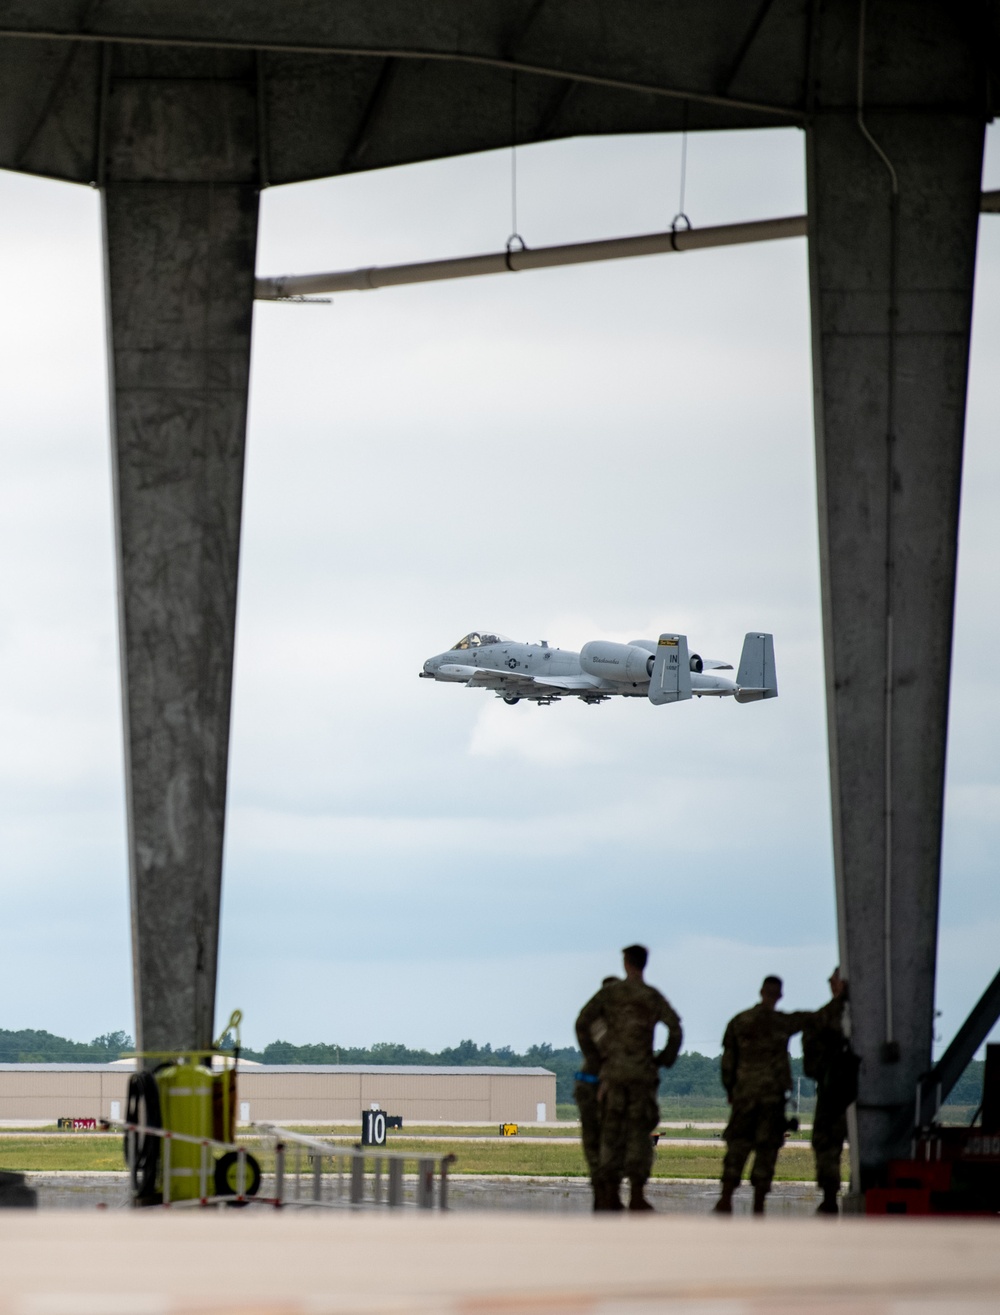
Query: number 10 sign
x,y
372,1127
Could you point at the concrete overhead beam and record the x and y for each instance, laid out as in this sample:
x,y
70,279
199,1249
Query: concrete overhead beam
x,y
894,199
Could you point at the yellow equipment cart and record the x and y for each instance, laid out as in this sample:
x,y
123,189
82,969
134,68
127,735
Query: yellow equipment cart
x,y
178,1112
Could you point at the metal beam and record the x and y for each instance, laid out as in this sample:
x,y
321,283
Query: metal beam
x,y
285,287
509,262
937,1085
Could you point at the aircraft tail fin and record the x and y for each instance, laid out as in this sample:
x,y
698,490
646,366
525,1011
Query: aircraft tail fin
x,y
756,678
670,679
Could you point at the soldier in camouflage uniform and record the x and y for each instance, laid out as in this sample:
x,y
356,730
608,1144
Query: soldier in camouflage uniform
x,y
827,1058
585,1095
757,1075
629,1070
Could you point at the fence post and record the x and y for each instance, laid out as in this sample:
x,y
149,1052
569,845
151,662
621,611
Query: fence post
x,y
317,1177
357,1179
425,1184
203,1173
279,1173
378,1180
131,1163
446,1160
395,1182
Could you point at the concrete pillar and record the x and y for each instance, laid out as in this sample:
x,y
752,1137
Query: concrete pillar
x,y
892,251
179,181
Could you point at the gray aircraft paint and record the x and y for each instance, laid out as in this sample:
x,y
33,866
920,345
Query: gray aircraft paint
x,y
662,670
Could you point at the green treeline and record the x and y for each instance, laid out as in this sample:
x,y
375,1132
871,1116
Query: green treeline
x,y
563,1062
28,1047
694,1078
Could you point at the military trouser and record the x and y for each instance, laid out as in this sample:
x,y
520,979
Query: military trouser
x,y
585,1095
630,1113
758,1127
828,1136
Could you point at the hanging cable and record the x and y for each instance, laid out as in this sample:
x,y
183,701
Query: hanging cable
x,y
681,216
515,242
890,1049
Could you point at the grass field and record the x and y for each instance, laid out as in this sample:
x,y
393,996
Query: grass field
x,y
510,1155
547,1131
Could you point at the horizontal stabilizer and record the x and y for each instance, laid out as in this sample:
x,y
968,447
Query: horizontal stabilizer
x,y
756,678
670,681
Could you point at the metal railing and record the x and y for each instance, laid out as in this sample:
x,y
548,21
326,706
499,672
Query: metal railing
x,y
209,1151
311,1172
308,1172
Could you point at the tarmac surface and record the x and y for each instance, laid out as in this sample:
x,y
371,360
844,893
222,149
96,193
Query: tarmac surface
x,y
258,1262
467,1192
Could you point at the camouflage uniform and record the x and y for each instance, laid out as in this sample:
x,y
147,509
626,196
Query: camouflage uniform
x,y
629,1072
757,1075
585,1094
827,1057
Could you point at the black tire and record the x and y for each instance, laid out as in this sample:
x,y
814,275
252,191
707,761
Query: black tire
x,y
226,1169
511,699
143,1106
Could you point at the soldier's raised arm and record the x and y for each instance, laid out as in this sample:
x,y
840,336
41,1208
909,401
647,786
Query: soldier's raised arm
x,y
669,1016
796,1021
829,1015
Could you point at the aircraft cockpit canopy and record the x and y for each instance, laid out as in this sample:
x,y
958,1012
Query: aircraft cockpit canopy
x,y
479,639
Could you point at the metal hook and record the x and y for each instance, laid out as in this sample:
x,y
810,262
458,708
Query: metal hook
x,y
673,228
513,250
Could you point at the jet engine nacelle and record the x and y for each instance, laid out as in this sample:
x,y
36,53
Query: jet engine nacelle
x,y
622,662
697,665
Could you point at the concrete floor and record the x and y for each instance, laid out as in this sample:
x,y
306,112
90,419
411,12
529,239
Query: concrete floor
x,y
489,1263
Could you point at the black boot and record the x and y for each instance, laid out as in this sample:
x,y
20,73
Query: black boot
x,y
724,1205
759,1197
828,1205
606,1196
637,1200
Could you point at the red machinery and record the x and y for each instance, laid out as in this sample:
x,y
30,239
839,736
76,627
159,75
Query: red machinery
x,y
953,1171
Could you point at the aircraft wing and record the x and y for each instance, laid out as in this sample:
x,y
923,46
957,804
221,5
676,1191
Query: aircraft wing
x,y
492,678
521,682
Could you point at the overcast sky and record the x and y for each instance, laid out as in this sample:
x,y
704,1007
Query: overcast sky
x,y
596,452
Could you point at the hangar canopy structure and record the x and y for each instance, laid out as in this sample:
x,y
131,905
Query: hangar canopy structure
x,y
182,111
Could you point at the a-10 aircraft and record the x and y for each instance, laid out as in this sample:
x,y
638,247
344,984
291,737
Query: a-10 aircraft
x,y
662,670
